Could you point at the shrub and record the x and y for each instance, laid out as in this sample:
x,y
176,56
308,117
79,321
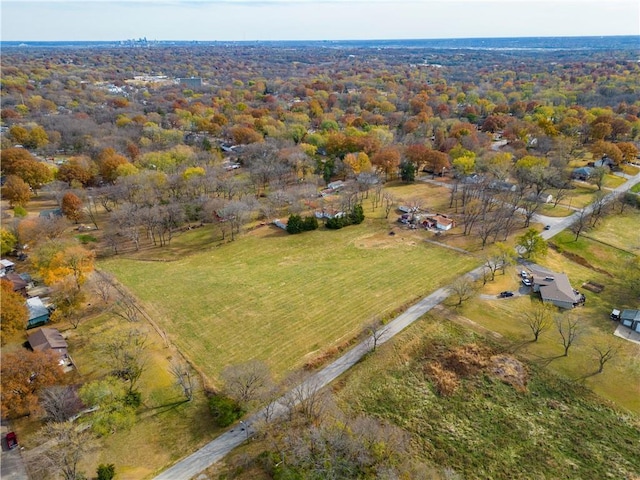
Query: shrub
x,y
297,224
106,472
86,238
224,410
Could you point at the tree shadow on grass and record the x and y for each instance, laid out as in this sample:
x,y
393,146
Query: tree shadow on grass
x,y
588,375
157,410
546,361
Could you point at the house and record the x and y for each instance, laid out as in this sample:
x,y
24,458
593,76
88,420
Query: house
x,y
631,319
19,284
337,185
38,313
441,222
604,162
51,213
582,173
555,288
6,266
50,340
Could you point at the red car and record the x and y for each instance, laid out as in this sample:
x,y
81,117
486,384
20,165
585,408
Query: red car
x,y
12,440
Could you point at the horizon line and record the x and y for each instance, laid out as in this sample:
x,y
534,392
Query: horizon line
x,y
325,40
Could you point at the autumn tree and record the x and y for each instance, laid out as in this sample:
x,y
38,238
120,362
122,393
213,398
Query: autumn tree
x,y
13,312
79,170
56,260
24,375
387,160
8,241
16,191
109,163
71,206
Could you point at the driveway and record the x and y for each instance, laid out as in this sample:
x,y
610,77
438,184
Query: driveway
x,y
11,464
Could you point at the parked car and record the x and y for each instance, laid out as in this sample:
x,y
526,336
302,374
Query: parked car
x,y
526,282
547,227
524,274
506,294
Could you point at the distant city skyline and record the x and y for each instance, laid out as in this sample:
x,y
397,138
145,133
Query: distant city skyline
x,y
102,20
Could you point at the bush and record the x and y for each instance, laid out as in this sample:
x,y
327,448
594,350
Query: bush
x,y
224,410
19,211
85,238
106,472
297,224
133,399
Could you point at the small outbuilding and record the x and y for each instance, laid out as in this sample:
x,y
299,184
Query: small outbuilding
x,y
38,313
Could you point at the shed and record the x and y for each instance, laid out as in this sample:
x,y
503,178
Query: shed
x,y
38,313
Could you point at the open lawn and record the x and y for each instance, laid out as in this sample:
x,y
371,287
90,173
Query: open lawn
x,y
285,299
636,188
619,230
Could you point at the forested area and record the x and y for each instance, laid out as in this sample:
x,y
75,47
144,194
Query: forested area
x,y
138,145
158,155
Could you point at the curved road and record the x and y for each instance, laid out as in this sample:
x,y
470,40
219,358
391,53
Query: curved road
x,y
219,447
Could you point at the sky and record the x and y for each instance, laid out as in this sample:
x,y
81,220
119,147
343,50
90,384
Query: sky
x,y
106,20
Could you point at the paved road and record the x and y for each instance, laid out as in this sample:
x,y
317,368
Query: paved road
x,y
559,224
222,445
11,464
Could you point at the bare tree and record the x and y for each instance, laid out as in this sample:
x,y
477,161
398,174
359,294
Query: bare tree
x,y
604,354
59,402
538,319
71,444
581,223
463,289
598,208
245,382
569,330
127,354
304,397
375,329
103,285
126,308
388,201
185,378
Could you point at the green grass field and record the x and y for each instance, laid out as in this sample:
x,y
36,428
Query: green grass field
x,y
285,299
636,188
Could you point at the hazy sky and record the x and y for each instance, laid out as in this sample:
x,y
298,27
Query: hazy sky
x,y
312,19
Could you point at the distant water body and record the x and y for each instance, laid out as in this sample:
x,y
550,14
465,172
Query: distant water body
x,y
508,44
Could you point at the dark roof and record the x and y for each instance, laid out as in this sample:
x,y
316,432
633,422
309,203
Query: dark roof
x,y
47,339
17,281
633,315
